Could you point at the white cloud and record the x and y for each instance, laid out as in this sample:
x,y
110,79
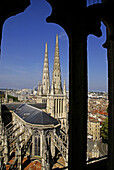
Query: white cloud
x,y
63,36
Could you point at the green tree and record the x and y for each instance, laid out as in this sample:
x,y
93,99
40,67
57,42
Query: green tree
x,y
15,99
104,131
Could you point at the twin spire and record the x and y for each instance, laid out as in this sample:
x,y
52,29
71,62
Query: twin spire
x,y
56,86
56,79
45,77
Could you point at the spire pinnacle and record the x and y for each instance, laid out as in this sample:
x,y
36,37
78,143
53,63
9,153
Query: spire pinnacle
x,y
46,48
57,39
45,76
56,79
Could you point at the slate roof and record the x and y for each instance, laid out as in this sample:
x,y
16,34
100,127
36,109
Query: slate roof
x,y
38,105
11,106
14,106
34,115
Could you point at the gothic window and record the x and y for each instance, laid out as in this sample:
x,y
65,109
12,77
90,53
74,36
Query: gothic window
x,y
37,145
59,107
48,139
62,105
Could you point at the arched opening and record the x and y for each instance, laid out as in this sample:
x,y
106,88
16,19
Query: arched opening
x,y
23,51
97,123
37,145
23,47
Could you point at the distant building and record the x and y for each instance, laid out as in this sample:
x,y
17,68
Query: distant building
x,y
93,128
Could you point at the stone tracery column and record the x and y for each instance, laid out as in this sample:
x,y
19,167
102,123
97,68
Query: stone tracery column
x,y
74,19
110,52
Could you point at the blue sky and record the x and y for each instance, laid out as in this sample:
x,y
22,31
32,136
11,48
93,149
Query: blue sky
x,y
23,47
97,62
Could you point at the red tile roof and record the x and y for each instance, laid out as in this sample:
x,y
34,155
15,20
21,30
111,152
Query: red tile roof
x,y
35,165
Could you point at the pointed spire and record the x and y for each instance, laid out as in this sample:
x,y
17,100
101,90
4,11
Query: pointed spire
x,y
57,39
46,51
56,79
45,77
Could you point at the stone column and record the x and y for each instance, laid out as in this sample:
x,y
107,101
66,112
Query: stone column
x,y
41,143
48,104
44,150
61,107
52,144
5,148
111,105
77,101
58,108
73,18
33,138
18,154
55,108
64,107
21,136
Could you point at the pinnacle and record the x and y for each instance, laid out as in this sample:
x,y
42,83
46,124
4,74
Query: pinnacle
x,y
46,48
45,77
56,70
57,39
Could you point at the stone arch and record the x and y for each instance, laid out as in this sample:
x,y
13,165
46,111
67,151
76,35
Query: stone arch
x,y
37,132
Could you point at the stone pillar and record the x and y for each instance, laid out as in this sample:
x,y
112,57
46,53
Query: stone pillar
x,y
44,150
48,104
64,107
65,14
52,144
41,143
26,135
61,108
21,136
56,108
33,138
5,148
111,105
18,154
77,101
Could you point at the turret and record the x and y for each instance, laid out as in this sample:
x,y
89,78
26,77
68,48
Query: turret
x,y
6,97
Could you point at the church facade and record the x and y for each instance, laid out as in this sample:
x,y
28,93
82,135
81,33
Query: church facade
x,y
53,95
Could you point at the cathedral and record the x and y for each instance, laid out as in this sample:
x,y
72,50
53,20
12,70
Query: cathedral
x,y
53,95
31,136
